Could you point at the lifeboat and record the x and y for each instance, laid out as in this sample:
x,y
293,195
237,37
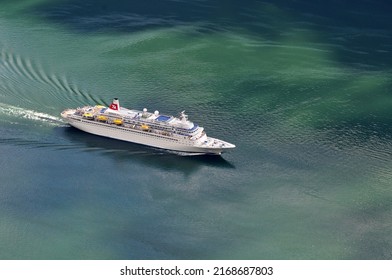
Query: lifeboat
x,y
144,127
102,118
88,116
118,121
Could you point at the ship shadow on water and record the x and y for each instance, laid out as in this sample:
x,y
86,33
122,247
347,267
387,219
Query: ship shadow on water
x,y
124,151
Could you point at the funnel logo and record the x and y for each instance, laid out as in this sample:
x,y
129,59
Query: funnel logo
x,y
113,106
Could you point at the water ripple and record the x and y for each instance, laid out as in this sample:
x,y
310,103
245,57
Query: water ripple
x,y
19,70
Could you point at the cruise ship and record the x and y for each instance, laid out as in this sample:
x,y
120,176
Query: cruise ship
x,y
146,128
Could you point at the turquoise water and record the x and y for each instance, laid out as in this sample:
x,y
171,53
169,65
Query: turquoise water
x,y
302,89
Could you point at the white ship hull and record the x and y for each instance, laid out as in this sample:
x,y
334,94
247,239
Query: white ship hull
x,y
145,128
149,139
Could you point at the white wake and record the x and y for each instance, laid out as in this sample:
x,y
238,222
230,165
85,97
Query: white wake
x,y
29,114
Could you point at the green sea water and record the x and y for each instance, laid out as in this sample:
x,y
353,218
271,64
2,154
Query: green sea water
x,y
302,88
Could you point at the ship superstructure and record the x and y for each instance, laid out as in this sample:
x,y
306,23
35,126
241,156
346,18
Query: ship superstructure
x,y
146,128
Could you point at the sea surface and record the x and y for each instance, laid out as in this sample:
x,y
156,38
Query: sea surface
x,y
302,88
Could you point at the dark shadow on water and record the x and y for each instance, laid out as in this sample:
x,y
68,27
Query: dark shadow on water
x,y
358,29
135,15
158,158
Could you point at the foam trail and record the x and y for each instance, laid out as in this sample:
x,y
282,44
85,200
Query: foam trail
x,y
29,114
